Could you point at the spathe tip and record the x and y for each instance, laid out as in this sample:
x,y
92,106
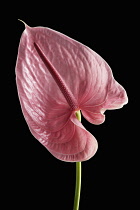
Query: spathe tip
x,y
26,26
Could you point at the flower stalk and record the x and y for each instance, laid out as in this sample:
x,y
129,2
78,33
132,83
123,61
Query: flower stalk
x,y
78,176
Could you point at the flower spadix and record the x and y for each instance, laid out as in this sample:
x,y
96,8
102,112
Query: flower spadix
x,y
56,78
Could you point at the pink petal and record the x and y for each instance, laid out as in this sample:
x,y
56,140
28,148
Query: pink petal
x,y
107,94
72,143
72,60
57,76
116,97
80,148
93,117
40,97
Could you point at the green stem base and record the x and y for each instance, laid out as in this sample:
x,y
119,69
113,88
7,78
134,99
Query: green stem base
x,y
78,175
78,186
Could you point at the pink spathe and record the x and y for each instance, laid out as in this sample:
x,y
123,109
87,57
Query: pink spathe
x,y
57,76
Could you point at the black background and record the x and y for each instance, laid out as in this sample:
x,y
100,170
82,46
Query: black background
x,y
34,178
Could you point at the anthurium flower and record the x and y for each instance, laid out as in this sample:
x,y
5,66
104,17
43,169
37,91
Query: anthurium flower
x,y
56,78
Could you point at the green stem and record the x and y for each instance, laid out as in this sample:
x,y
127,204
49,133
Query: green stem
x,y
78,186
78,176
78,115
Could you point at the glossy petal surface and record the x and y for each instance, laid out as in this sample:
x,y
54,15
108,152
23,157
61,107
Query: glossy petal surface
x,y
83,81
